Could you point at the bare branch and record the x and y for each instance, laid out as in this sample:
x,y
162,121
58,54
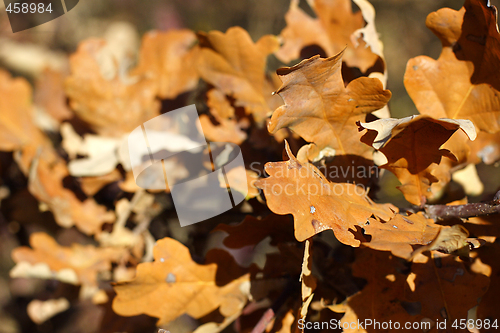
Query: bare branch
x,y
464,211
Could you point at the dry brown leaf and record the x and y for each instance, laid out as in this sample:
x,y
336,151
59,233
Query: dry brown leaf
x,y
399,233
169,58
174,284
383,292
473,33
17,128
46,184
442,89
434,282
112,102
461,83
228,128
335,27
412,146
321,110
488,255
485,148
78,264
316,204
448,240
49,94
428,293
236,66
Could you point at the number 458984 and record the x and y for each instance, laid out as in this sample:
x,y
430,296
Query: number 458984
x,y
471,324
28,8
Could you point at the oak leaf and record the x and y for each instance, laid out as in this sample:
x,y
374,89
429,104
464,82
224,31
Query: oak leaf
x,y
399,233
236,66
46,184
316,204
112,102
169,58
448,240
174,284
442,89
433,282
383,291
18,131
228,128
78,264
412,146
472,31
335,27
461,83
427,293
320,109
49,94
488,256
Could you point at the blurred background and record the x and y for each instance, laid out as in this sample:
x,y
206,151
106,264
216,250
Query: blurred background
x,y
400,23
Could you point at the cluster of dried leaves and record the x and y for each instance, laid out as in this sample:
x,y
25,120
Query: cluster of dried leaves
x,y
252,267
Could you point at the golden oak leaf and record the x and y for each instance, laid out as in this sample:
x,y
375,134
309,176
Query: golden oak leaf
x,y
383,292
485,148
335,27
316,204
78,264
236,66
105,96
174,284
49,94
448,240
412,146
434,282
16,112
169,59
450,87
17,128
399,233
46,184
473,33
427,295
488,256
320,109
228,128
442,89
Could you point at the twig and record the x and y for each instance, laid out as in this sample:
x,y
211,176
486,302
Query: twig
x,y
464,211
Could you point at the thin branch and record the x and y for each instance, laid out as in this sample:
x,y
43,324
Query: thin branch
x,y
464,211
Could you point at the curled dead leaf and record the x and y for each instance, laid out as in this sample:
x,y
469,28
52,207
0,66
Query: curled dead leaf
x,y
320,109
316,204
